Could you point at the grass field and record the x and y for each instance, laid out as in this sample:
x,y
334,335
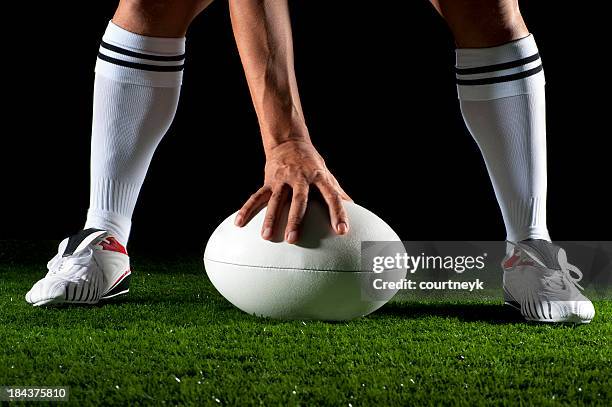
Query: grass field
x,y
175,340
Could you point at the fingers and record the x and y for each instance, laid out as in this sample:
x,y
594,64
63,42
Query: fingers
x,y
275,205
337,214
253,205
299,202
275,199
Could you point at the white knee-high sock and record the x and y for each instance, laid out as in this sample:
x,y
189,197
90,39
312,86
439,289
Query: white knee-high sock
x,y
501,92
136,94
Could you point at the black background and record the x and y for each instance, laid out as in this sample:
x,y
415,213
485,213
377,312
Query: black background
x,y
378,92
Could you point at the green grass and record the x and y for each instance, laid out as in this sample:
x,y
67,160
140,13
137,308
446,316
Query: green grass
x,y
175,340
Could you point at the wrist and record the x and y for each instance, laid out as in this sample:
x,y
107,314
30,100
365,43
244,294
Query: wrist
x,y
275,136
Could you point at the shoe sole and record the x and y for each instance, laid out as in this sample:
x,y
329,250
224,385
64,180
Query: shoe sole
x,y
120,287
574,319
59,301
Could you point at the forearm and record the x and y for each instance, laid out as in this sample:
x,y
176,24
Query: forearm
x,y
263,34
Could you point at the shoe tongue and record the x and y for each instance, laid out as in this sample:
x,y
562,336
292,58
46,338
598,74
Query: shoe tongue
x,y
545,251
81,240
62,246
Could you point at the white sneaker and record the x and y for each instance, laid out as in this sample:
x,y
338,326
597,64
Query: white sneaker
x,y
540,283
88,267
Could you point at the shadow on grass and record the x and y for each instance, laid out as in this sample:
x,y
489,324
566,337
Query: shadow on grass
x,y
469,312
491,313
149,300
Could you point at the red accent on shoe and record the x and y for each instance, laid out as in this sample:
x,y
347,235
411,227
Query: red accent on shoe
x,y
512,260
110,243
515,260
527,263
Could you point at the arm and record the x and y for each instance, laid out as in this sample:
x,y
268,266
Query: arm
x,y
263,34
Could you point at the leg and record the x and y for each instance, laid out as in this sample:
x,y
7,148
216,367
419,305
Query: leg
x,y
482,23
136,92
158,18
500,83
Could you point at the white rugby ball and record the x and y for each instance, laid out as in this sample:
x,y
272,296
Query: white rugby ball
x,y
318,278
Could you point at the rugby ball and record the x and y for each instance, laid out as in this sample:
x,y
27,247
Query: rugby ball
x,y
319,278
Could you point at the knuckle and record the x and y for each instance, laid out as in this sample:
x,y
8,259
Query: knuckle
x,y
301,196
300,182
294,220
339,211
335,197
278,191
318,175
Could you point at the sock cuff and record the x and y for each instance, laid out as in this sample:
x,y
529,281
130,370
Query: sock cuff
x,y
509,69
113,196
133,58
526,219
117,225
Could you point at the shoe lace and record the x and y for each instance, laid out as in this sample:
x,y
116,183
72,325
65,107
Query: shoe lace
x,y
59,266
567,272
567,269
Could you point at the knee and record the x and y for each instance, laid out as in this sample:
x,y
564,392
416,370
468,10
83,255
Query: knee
x,y
165,18
493,16
161,7
483,23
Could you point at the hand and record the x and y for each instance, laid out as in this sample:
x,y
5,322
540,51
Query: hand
x,y
296,165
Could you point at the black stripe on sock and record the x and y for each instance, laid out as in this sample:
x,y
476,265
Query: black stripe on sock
x,y
144,67
498,79
127,52
497,67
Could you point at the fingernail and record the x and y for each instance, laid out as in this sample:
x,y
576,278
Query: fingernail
x,y
238,220
267,233
292,236
342,228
